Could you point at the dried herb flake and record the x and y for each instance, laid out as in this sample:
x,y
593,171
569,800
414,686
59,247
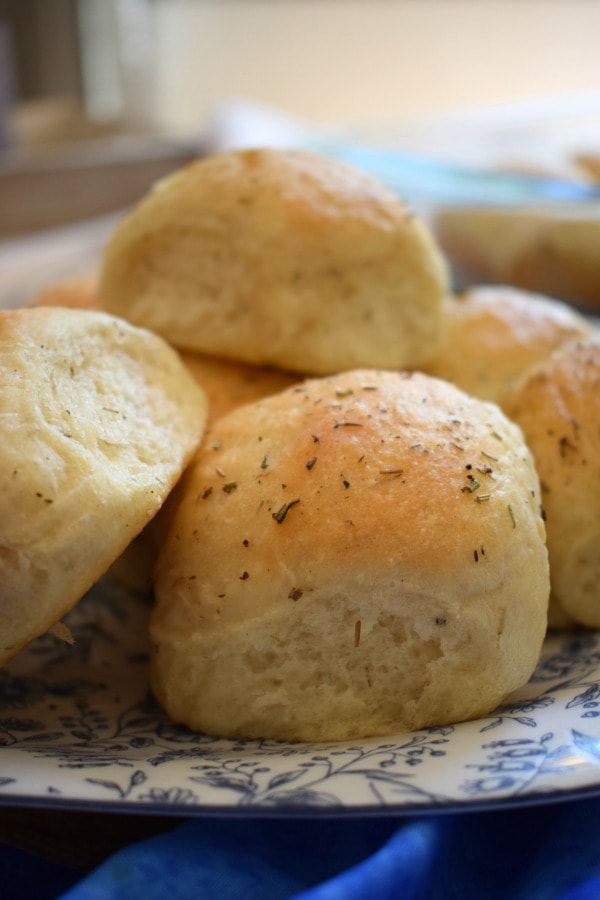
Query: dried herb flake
x,y
281,513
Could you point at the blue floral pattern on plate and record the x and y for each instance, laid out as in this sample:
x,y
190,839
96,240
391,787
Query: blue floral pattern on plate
x,y
79,725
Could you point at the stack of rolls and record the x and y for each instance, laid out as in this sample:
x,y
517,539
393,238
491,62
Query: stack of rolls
x,y
358,546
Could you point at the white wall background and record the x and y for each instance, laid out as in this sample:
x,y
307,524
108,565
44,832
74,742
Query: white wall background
x,y
358,60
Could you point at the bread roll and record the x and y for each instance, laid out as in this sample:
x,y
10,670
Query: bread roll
x,y
552,250
228,384
493,334
98,419
354,556
558,408
279,258
74,293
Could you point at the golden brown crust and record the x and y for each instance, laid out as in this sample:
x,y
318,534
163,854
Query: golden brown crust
x,y
335,569
558,408
493,334
98,420
280,258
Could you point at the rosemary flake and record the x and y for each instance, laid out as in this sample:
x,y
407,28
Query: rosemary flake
x,y
282,512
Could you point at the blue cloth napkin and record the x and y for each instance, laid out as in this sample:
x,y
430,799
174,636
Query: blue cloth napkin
x,y
541,852
546,852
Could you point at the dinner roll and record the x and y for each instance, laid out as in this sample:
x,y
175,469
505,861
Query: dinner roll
x,y
558,408
228,385
495,333
357,555
98,419
74,293
553,250
280,258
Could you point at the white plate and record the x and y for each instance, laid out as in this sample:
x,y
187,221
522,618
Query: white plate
x,y
78,727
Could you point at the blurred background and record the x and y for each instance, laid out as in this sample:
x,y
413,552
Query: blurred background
x,y
99,98
138,64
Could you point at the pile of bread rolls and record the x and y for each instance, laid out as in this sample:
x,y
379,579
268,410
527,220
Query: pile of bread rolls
x,y
383,484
